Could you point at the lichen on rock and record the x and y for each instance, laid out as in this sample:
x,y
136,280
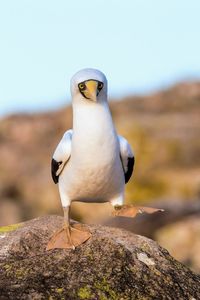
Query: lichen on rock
x,y
13,227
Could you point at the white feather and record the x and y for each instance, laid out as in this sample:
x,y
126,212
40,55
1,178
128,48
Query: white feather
x,y
63,150
125,152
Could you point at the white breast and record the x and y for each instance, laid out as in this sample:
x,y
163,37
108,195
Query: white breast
x,y
94,172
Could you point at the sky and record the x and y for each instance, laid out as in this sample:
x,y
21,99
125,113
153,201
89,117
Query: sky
x,y
141,46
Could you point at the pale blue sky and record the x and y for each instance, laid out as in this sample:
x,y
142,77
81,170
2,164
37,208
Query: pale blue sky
x,y
141,45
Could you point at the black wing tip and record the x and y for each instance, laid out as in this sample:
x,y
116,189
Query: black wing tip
x,y
54,169
130,166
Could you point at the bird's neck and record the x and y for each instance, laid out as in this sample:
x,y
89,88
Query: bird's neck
x,y
92,120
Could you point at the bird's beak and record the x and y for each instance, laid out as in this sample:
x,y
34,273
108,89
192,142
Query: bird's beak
x,y
91,89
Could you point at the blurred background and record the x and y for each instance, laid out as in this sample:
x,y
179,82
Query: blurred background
x,y
149,51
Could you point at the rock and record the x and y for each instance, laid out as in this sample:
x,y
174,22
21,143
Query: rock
x,y
113,264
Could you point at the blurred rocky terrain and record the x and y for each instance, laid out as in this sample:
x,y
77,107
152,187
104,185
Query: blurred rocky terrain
x,y
163,129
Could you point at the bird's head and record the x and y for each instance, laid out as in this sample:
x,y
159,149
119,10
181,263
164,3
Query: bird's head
x,y
89,85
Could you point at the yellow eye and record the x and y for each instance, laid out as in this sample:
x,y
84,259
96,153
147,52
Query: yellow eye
x,y
100,86
81,86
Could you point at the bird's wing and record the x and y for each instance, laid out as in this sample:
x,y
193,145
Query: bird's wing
x,y
127,157
61,155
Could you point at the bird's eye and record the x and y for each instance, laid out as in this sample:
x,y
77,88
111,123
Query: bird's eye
x,y
100,86
81,86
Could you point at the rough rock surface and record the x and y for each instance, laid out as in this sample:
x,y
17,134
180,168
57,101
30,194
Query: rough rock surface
x,y
113,264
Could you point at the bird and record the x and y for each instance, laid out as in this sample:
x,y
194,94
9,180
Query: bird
x,y
91,163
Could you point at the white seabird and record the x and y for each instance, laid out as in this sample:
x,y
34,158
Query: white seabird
x,y
91,163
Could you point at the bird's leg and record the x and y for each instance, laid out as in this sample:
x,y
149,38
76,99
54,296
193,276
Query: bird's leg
x,y
131,211
68,237
62,237
66,225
